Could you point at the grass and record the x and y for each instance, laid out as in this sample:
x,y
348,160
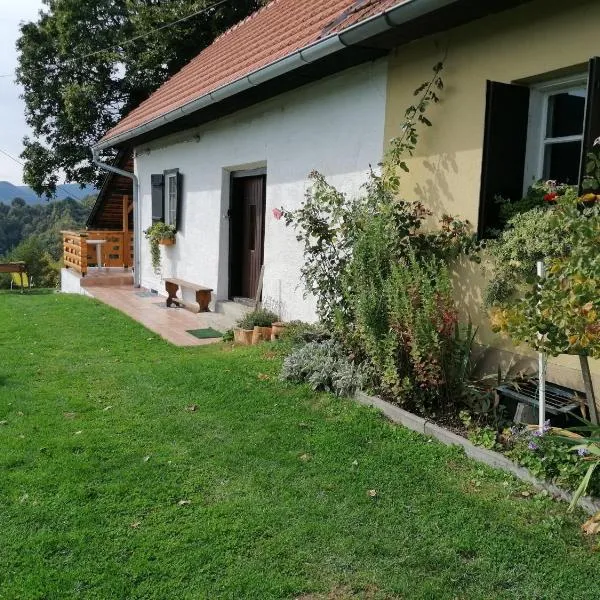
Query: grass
x,y
133,469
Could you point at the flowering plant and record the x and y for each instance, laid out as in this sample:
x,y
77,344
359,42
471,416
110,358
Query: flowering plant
x,y
550,454
542,194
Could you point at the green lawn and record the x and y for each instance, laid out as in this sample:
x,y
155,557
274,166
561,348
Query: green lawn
x,y
110,488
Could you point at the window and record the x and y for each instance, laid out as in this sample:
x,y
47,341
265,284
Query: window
x,y
536,132
555,134
171,197
166,197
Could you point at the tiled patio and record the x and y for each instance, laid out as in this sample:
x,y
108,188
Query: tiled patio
x,y
151,311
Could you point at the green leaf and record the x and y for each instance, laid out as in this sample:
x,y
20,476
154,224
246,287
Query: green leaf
x,y
583,486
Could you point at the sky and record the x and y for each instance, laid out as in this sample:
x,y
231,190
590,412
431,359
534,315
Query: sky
x,y
12,108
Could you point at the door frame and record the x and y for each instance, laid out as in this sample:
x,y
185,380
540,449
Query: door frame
x,y
242,174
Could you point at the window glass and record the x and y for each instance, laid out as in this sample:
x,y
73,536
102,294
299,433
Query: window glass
x,y
561,162
566,112
171,199
562,134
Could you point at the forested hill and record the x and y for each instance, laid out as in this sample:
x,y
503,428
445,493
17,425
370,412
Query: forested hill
x,y
31,233
39,225
9,191
19,221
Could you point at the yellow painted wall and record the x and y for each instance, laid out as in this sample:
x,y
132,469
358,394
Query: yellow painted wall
x,y
542,39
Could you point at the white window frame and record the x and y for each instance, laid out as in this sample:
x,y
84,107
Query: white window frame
x,y
538,119
171,200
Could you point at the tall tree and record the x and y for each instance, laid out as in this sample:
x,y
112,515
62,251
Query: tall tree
x,y
83,65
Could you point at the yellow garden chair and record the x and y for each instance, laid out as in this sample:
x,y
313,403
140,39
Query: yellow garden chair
x,y
20,280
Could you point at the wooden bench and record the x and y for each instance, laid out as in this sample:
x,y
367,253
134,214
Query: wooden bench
x,y
172,284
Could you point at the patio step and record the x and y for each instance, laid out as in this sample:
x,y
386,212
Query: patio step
x,y
233,310
107,279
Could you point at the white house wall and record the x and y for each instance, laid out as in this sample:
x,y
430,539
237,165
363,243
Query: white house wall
x,y
335,126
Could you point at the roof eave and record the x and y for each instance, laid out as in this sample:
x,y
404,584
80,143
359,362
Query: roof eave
x,y
351,36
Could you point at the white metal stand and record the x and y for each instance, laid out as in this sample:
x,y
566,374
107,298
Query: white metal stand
x,y
541,271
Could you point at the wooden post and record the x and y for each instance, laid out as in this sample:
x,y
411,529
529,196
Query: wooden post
x,y
589,388
257,301
125,245
83,253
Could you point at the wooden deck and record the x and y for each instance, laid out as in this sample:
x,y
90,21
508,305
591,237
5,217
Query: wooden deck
x,y
81,250
80,255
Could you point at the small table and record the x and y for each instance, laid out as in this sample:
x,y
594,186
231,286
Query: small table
x,y
98,244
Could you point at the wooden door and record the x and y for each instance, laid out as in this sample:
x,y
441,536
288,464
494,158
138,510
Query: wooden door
x,y
247,227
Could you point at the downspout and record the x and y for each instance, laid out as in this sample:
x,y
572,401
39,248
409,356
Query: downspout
x,y
136,211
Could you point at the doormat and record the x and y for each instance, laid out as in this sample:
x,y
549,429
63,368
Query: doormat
x,y
145,294
205,334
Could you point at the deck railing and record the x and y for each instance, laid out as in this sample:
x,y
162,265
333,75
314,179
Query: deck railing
x,y
116,251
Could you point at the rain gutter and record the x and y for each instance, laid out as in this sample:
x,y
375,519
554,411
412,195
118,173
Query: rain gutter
x,y
352,36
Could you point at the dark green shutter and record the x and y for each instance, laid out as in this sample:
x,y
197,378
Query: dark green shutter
x,y
504,147
179,214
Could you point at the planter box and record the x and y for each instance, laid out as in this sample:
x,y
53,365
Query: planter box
x,y
167,242
276,330
242,336
261,334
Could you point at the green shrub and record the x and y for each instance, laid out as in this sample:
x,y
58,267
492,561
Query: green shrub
x,y
324,366
258,318
549,457
486,437
379,278
299,332
405,323
531,236
559,314
43,270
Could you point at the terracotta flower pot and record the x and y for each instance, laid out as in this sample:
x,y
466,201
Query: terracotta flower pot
x,y
242,336
277,329
261,334
167,242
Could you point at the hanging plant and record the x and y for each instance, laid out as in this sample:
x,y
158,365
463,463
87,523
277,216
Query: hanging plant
x,y
158,233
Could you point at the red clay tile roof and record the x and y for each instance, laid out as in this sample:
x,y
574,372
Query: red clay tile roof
x,y
275,31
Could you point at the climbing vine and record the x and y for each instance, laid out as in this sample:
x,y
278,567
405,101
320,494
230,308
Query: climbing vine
x,y
329,222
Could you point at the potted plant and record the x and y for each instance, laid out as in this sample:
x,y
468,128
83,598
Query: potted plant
x,y
277,329
242,334
255,327
158,234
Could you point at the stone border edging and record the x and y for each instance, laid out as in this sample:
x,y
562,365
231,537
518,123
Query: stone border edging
x,y
489,457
